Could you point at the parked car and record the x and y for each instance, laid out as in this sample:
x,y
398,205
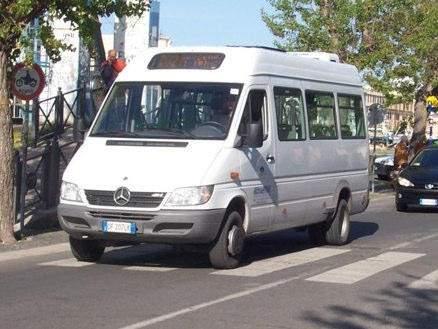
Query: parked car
x,y
383,140
383,166
417,184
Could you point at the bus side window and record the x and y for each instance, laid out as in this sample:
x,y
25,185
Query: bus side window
x,y
255,110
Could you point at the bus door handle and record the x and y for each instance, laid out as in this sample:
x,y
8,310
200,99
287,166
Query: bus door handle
x,y
270,158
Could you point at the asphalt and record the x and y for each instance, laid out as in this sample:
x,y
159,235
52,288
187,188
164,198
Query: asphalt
x,y
152,286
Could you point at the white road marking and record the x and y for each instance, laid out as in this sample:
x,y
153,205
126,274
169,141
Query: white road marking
x,y
379,199
278,263
150,268
418,240
68,262
428,282
363,269
34,252
197,307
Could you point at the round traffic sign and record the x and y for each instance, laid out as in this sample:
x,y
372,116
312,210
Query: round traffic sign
x,y
27,82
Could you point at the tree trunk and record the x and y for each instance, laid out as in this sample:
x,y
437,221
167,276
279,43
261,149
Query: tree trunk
x,y
98,44
420,120
6,158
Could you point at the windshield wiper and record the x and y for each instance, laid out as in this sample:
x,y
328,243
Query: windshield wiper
x,y
116,134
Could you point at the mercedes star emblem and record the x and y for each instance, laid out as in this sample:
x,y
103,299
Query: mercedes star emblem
x,y
122,196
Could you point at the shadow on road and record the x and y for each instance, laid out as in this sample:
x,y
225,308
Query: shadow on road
x,y
421,210
256,249
394,307
362,229
155,255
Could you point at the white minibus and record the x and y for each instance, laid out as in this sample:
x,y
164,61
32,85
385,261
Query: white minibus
x,y
207,146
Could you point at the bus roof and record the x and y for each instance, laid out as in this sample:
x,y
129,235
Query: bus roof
x,y
241,63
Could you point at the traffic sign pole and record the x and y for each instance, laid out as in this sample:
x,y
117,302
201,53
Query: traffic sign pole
x,y
27,83
23,188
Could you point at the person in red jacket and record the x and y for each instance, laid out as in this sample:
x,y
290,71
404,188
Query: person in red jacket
x,y
111,68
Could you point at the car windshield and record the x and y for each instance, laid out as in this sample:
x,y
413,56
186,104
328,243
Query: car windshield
x,y
426,158
168,110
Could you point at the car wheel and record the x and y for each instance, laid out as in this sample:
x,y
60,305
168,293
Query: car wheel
x,y
86,250
227,251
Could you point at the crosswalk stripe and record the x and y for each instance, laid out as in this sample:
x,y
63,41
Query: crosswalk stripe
x,y
149,268
429,282
68,262
34,252
278,263
363,269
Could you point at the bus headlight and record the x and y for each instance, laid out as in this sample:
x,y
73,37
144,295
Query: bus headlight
x,y
70,192
190,196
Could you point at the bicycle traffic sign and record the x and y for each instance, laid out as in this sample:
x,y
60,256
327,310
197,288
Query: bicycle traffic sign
x,y
27,82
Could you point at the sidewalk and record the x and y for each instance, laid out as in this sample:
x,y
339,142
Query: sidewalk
x,y
37,239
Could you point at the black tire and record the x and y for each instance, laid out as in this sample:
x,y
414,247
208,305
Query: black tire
x,y
86,250
226,254
339,230
335,231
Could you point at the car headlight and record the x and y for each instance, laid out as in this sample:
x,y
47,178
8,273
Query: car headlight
x,y
190,196
404,182
70,192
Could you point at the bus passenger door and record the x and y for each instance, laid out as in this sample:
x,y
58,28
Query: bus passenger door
x,y
258,164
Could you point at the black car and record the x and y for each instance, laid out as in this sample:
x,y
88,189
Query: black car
x,y
417,184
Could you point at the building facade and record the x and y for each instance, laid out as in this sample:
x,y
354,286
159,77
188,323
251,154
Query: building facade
x,y
395,114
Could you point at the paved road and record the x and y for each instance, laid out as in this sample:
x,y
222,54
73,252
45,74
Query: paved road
x,y
387,277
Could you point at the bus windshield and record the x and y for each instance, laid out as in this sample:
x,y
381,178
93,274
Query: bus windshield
x,y
170,110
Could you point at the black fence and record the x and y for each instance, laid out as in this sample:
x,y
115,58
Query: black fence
x,y
49,140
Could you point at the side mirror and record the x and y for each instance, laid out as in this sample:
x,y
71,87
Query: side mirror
x,y
255,135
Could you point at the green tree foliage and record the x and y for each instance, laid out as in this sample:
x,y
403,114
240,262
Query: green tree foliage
x,y
15,15
392,42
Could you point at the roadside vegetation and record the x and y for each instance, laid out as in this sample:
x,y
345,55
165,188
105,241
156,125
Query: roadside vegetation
x,y
15,15
393,43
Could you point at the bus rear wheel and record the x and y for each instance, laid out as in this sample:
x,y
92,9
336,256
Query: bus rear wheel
x,y
336,230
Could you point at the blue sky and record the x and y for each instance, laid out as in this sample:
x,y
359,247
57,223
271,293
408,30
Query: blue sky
x,y
214,22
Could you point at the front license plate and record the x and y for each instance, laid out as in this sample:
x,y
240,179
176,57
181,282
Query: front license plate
x,y
428,202
118,227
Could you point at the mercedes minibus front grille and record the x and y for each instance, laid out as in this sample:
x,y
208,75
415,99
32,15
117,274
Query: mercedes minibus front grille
x,y
137,199
122,215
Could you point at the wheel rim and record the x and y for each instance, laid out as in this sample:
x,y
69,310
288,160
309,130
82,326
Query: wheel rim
x,y
235,240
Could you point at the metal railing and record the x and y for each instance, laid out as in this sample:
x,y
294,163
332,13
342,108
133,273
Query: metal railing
x,y
59,125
